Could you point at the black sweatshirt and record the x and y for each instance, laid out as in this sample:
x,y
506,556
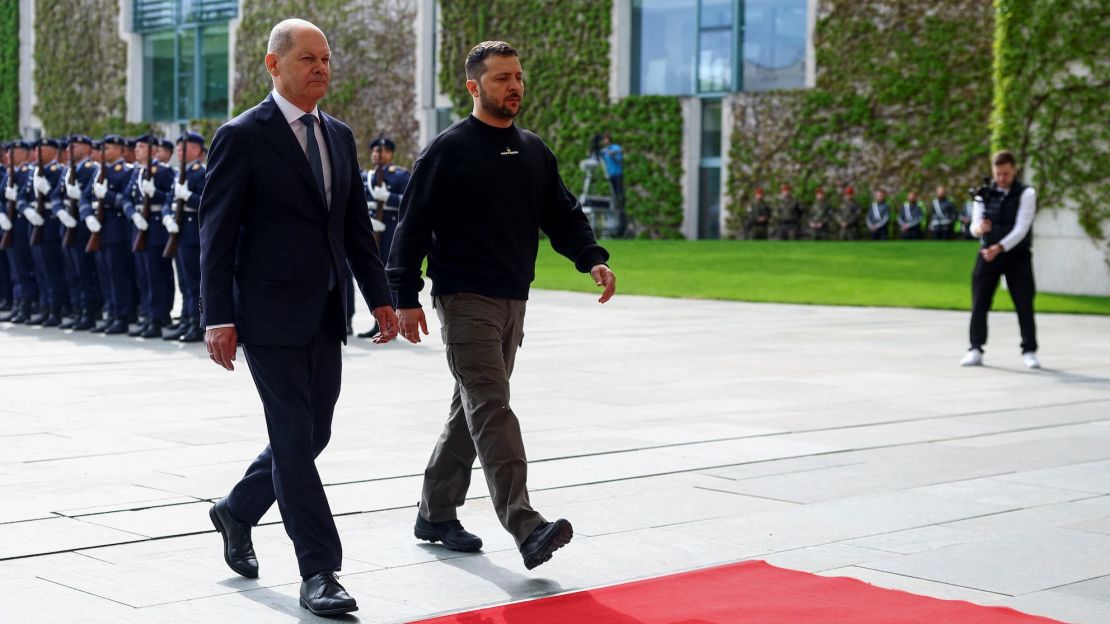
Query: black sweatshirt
x,y
478,198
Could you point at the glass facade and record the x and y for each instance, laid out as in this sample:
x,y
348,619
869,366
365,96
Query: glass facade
x,y
709,171
693,47
185,57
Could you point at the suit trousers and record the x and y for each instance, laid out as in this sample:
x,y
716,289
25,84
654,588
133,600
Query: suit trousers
x,y
298,387
1017,266
482,335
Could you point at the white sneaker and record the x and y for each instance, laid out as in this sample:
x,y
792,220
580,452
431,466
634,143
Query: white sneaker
x,y
974,357
1030,359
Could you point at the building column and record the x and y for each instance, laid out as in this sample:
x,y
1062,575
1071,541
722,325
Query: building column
x,y
620,51
133,89
1065,259
691,155
28,121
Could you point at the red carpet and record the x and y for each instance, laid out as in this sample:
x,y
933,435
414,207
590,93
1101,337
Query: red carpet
x,y
752,592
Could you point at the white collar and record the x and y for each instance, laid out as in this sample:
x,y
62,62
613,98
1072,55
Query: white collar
x,y
290,110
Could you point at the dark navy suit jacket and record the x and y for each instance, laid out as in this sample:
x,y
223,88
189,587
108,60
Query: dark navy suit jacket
x,y
269,242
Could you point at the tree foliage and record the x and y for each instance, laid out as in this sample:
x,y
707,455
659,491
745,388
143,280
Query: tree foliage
x,y
9,68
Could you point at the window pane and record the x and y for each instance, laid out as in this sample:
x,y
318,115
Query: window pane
x,y
186,73
774,44
715,70
716,13
158,76
711,129
214,55
709,203
666,46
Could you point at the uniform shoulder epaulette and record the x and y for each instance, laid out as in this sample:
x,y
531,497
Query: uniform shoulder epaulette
x,y
87,165
196,166
53,167
118,167
153,169
392,168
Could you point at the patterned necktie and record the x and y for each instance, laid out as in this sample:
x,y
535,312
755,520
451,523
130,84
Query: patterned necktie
x,y
313,153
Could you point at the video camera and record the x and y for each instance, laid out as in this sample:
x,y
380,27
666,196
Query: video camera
x,y
990,197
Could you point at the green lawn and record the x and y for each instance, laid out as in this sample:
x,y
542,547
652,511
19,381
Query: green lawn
x,y
923,274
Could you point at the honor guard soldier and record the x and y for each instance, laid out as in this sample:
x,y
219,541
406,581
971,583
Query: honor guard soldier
x,y
190,146
89,303
385,185
758,218
164,152
848,214
156,188
113,204
819,216
43,188
26,285
164,155
943,216
910,218
788,214
878,217
7,288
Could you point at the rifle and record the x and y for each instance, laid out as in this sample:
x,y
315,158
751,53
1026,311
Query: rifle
x,y
6,240
139,244
40,201
70,204
379,210
93,245
178,213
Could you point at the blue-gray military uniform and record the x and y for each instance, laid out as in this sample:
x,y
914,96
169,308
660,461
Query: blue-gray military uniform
x,y
115,240
49,261
7,288
878,220
90,302
396,180
153,269
188,247
26,285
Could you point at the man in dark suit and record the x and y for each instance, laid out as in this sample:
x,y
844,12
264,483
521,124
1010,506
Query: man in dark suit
x,y
282,215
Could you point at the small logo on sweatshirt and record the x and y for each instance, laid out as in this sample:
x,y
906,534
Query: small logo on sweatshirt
x,y
509,152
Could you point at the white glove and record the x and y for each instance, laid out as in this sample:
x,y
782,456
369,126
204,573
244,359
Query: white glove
x,y
67,219
147,187
139,221
92,224
379,193
42,185
73,191
181,191
170,223
33,216
100,189
5,222
378,226
10,193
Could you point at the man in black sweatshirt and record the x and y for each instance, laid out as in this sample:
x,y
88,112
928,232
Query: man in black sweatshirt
x,y
479,195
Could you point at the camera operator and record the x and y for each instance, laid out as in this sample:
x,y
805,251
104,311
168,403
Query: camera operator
x,y
1002,219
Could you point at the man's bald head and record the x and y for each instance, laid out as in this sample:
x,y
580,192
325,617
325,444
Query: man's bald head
x,y
283,35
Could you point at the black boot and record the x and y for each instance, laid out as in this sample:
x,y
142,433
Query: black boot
x,y
153,330
84,322
54,319
102,326
117,327
74,318
139,331
37,316
11,314
5,305
195,334
176,333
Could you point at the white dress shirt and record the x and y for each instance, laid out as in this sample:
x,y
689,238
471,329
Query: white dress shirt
x,y
293,116
1027,209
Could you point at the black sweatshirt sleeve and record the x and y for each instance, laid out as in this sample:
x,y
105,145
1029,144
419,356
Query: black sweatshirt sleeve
x,y
413,235
566,225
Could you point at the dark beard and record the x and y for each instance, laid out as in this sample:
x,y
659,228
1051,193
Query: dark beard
x,y
494,109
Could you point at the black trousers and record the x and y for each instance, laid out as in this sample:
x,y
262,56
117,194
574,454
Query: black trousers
x,y
299,388
1017,266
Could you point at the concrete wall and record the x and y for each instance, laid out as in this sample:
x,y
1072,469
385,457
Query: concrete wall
x,y
1065,259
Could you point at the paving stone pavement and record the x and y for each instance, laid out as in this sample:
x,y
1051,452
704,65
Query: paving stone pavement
x,y
674,434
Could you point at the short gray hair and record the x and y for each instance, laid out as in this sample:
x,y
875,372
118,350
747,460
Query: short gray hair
x,y
281,35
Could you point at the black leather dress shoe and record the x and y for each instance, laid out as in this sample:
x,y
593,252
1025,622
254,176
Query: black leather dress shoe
x,y
194,334
546,539
323,595
177,332
238,548
153,330
138,331
117,327
450,533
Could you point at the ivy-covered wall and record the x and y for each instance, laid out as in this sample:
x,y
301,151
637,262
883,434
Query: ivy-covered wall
x,y
373,47
9,68
80,66
564,49
902,102
1052,101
